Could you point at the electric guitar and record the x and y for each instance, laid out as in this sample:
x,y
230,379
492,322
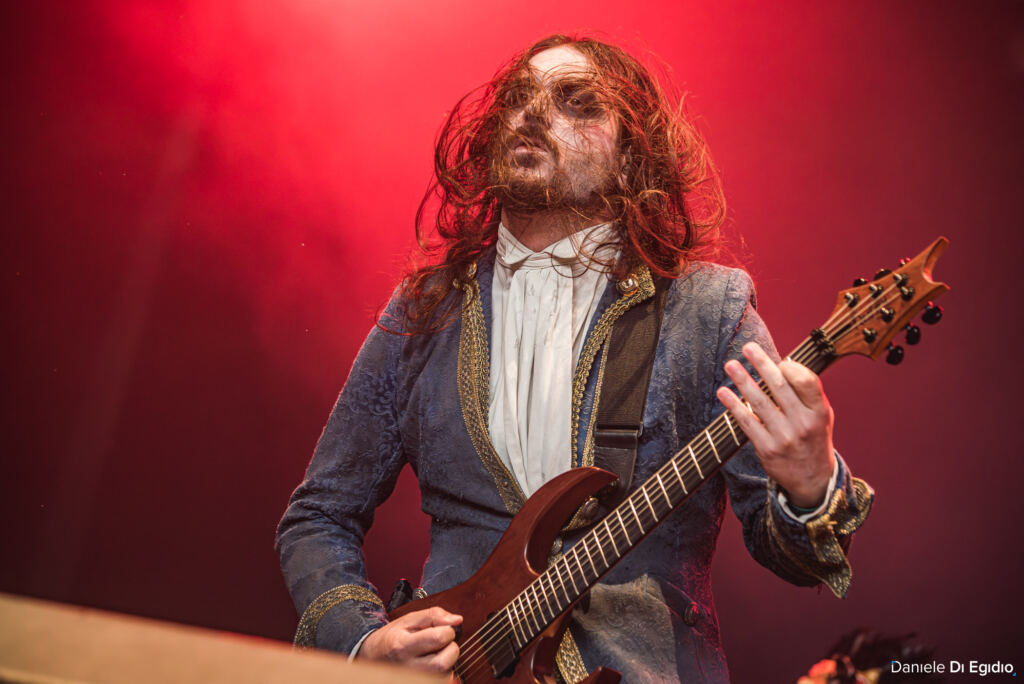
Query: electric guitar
x,y
516,607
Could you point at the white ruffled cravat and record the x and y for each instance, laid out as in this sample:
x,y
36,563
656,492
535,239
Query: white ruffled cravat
x,y
542,304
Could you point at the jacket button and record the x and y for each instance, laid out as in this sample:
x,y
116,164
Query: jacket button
x,y
691,614
589,510
628,285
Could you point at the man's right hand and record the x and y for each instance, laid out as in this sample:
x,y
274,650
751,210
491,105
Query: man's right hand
x,y
422,638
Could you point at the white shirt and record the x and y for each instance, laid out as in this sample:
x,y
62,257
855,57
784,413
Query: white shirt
x,y
542,304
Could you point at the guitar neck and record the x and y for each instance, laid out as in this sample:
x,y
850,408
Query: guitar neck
x,y
560,585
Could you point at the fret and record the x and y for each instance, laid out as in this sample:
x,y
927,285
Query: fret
x,y
699,471
611,539
572,580
682,483
524,637
524,606
638,523
554,572
728,422
521,611
586,547
649,504
512,605
540,593
576,555
538,607
546,596
664,491
508,628
600,548
561,583
712,443
623,526
532,608
550,574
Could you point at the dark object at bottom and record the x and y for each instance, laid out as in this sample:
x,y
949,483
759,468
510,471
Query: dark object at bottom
x,y
401,595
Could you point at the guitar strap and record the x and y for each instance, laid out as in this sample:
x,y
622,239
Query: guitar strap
x,y
620,412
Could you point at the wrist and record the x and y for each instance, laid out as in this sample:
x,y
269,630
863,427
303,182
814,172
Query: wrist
x,y
806,502
367,648
357,650
809,492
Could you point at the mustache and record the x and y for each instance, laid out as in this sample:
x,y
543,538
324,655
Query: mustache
x,y
530,134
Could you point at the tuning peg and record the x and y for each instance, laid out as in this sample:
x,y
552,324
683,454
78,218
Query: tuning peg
x,y
904,261
882,272
913,334
895,355
932,313
859,281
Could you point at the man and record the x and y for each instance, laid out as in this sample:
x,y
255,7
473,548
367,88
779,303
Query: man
x,y
562,188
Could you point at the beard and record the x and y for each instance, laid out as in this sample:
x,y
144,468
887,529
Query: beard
x,y
541,178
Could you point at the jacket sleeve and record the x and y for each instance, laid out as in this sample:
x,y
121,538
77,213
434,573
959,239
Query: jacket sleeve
x,y
804,553
353,470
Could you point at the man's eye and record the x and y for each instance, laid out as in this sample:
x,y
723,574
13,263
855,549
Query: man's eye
x,y
517,96
580,103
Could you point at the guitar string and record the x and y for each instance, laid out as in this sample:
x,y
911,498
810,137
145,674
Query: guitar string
x,y
806,348
486,637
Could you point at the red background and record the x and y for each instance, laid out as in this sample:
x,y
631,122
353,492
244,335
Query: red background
x,y
205,203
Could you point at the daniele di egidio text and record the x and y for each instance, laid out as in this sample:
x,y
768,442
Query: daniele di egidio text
x,y
973,667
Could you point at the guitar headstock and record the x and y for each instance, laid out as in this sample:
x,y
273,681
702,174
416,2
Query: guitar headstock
x,y
871,313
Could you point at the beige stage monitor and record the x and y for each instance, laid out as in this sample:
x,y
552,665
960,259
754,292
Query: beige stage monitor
x,y
51,643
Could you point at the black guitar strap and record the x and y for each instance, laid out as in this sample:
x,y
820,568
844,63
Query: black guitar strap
x,y
620,412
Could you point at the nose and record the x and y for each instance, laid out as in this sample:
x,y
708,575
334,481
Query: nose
x,y
534,110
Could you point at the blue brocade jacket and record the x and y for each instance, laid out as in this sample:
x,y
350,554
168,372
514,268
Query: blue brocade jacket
x,y
423,400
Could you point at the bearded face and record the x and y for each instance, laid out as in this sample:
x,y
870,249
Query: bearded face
x,y
557,147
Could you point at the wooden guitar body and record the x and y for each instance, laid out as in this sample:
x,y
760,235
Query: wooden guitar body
x,y
518,559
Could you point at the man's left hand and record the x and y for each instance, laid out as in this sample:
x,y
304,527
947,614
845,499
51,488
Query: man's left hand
x,y
792,435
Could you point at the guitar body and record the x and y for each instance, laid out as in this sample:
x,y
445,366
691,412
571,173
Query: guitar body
x,y
520,556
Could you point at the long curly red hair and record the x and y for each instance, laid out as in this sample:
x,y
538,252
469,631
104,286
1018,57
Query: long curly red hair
x,y
667,203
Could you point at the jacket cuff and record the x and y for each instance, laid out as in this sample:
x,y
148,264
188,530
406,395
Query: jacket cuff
x,y
817,547
352,611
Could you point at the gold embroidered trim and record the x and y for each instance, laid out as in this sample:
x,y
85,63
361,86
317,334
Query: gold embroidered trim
x,y
863,497
578,521
588,443
474,377
570,660
305,634
597,337
832,567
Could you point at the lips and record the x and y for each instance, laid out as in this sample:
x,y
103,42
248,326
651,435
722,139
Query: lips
x,y
527,145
